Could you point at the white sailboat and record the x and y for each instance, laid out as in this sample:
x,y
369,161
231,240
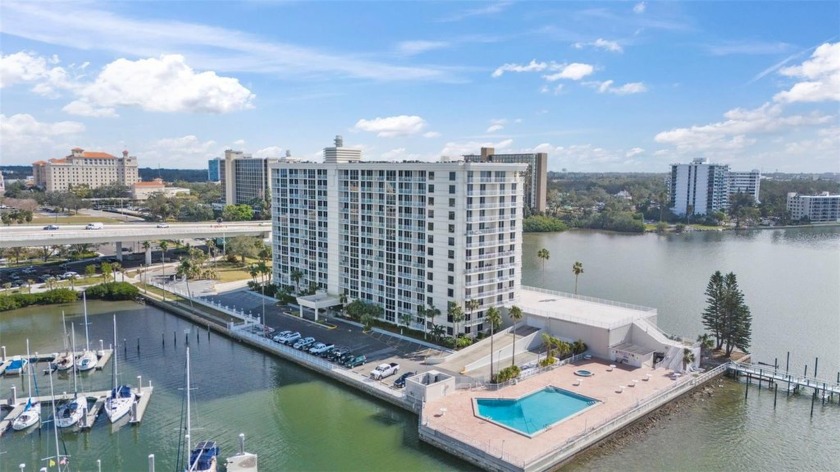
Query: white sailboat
x,y
31,414
119,401
58,460
203,456
71,411
67,359
88,359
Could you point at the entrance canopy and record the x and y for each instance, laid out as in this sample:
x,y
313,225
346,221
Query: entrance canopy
x,y
318,301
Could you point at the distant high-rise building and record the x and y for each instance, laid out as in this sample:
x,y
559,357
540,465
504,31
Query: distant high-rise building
x,y
93,169
2,184
245,178
536,176
820,208
214,169
745,182
406,236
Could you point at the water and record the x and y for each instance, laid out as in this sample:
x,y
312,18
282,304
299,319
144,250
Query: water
x,y
292,418
296,420
535,412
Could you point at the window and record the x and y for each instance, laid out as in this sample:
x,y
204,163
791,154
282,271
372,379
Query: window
x,y
451,216
451,227
452,176
431,189
431,200
451,202
450,292
431,177
431,251
430,226
430,276
450,280
452,190
451,254
451,241
451,267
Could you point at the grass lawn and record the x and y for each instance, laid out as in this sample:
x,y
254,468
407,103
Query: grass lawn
x,y
228,272
73,220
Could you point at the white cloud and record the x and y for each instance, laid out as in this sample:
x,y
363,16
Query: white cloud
x,y
458,149
411,48
494,7
733,133
532,66
588,157
626,89
167,84
270,151
25,138
388,127
400,154
208,47
600,43
639,7
821,74
82,108
431,134
239,143
23,67
574,71
185,152
748,47
633,152
496,125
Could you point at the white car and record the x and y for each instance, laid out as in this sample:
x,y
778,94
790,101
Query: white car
x,y
384,370
302,344
278,338
70,275
289,339
163,225
320,348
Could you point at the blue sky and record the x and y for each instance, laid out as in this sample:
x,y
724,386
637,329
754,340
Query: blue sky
x,y
600,86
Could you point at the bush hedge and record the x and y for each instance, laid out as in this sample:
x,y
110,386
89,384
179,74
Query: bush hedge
x,y
506,374
113,291
20,300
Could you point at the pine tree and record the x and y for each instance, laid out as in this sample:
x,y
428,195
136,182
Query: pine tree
x,y
737,319
713,314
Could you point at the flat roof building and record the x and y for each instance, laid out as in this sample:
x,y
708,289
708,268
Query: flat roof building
x,y
93,169
699,188
535,178
821,208
214,169
745,182
405,236
244,178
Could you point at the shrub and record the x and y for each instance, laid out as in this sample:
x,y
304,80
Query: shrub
x,y
542,224
113,291
20,300
506,374
547,361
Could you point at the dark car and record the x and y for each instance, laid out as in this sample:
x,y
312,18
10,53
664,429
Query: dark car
x,y
337,352
346,357
356,361
400,382
51,227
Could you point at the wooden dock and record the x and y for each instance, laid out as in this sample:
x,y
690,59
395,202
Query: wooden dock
x,y
50,357
87,421
785,380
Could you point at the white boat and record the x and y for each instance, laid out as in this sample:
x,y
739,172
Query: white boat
x,y
71,411
204,455
88,359
16,365
120,399
60,460
64,361
31,414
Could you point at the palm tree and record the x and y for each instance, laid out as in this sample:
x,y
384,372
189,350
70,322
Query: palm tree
x,y
296,275
495,319
472,305
431,313
457,314
438,331
544,255
405,319
421,315
577,268
116,267
706,343
688,357
515,314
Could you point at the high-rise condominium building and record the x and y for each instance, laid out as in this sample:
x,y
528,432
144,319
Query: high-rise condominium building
x,y
699,188
405,236
214,169
244,178
535,178
94,169
745,182
821,208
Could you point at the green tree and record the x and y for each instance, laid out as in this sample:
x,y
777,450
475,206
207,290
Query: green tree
x,y
106,271
456,315
544,255
296,276
688,358
405,319
577,269
90,271
712,316
472,305
706,344
431,313
494,318
238,212
242,246
737,317
515,314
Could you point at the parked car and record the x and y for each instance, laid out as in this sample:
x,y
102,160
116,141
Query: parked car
x,y
400,382
94,226
278,338
69,275
337,352
384,370
302,344
319,348
290,339
355,362
51,227
163,225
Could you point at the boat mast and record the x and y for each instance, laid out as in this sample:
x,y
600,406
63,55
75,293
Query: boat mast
x,y
73,330
189,428
87,338
28,364
114,352
64,326
55,424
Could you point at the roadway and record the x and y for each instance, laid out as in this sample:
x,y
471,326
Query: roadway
x,y
33,236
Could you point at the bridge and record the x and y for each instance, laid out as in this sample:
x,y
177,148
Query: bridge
x,y
34,236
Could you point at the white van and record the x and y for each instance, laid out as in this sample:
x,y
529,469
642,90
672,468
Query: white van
x,y
94,226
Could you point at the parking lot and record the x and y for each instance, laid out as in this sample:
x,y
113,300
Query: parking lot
x,y
376,347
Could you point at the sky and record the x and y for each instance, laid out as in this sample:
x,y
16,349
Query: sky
x,y
599,86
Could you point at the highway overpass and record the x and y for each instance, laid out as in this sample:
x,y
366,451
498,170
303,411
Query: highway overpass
x,y
34,236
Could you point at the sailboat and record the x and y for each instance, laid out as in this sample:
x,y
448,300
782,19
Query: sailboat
x,y
62,461
32,412
203,456
88,359
119,401
71,411
16,365
64,361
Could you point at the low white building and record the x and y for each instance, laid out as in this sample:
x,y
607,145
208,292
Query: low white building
x,y
143,190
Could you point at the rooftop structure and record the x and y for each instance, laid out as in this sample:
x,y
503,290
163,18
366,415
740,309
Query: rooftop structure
x,y
535,177
90,168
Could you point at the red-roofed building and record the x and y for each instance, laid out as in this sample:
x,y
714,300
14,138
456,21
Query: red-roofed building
x,y
91,168
142,190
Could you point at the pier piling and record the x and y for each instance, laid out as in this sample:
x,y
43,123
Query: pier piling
x,y
816,364
746,388
759,379
138,347
813,399
775,395
787,363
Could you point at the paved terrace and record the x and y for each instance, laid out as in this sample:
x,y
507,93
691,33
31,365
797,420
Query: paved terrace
x,y
453,415
580,309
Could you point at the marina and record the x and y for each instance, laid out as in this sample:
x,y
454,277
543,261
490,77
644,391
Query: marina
x,y
104,356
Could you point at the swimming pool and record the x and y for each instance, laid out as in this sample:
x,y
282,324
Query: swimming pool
x,y
533,413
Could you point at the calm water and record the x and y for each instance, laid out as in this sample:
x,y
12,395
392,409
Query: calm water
x,y
296,420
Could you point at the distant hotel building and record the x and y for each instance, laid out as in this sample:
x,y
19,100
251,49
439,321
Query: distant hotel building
x,y
214,170
817,208
244,178
706,187
536,176
404,236
94,169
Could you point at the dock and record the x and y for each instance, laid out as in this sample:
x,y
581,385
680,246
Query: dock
x,y
143,396
37,358
784,380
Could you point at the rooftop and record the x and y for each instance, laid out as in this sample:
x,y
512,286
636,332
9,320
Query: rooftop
x,y
579,309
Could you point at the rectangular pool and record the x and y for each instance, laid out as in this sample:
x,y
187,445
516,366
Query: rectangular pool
x,y
533,413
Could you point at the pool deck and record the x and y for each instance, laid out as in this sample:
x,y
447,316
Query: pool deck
x,y
452,417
